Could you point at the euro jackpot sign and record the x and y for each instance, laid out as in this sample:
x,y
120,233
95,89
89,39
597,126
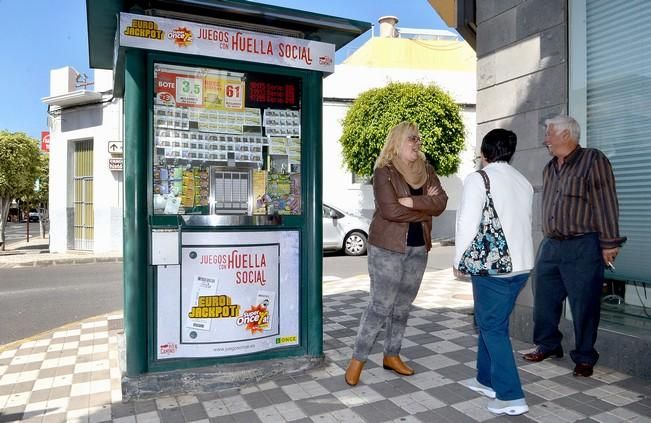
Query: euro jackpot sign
x,y
144,29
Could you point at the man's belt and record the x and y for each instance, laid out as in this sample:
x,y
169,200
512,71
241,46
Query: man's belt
x,y
560,237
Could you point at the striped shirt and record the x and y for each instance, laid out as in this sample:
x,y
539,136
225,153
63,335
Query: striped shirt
x,y
580,198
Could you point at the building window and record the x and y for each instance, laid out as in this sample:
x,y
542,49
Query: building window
x,y
610,94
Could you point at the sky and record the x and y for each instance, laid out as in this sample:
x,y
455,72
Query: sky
x,y
50,34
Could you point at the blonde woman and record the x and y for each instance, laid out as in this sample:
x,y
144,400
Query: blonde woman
x,y
407,194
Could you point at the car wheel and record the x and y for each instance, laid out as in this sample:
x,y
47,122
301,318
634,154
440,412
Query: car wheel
x,y
355,244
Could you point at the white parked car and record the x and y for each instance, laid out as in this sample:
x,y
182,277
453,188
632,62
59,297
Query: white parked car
x,y
344,231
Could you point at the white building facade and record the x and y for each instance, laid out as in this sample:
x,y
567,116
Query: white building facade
x,y
454,72
86,189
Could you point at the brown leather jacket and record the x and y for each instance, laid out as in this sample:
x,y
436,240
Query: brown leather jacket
x,y
390,224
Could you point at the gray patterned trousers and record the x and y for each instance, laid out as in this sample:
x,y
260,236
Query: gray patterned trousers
x,y
395,280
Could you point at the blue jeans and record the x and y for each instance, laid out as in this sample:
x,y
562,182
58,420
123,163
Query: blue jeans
x,y
571,269
494,300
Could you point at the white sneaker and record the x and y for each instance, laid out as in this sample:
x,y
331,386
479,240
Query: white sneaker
x,y
512,408
473,384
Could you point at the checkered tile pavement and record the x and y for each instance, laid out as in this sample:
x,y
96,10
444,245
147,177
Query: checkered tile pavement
x,y
72,375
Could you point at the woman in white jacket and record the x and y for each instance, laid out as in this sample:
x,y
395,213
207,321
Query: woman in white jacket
x,y
495,295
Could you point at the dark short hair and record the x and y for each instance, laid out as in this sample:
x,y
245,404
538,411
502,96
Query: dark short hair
x,y
499,145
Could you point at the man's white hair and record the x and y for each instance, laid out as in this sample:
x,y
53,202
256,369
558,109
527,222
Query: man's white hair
x,y
563,122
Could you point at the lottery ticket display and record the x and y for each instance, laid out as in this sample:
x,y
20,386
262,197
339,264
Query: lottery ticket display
x,y
208,123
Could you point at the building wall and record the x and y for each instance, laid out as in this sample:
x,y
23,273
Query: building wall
x,y
100,123
522,77
338,187
522,80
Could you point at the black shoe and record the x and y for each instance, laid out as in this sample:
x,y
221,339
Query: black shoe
x,y
583,369
539,355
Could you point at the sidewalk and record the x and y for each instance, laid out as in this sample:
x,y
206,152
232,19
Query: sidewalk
x,y
36,252
71,375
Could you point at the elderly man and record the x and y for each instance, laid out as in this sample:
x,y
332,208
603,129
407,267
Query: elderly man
x,y
580,223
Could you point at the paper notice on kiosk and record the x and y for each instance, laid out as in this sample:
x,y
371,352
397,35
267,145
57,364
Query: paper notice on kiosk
x,y
202,287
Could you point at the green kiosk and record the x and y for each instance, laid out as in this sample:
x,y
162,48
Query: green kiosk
x,y
222,171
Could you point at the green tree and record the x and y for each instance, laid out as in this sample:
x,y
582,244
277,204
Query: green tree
x,y
376,111
39,196
19,161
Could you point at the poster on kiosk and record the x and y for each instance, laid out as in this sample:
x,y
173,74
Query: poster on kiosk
x,y
234,299
226,144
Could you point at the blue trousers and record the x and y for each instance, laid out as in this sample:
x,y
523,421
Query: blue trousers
x,y
571,269
494,300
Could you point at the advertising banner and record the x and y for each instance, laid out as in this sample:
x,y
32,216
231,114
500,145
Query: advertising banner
x,y
234,298
162,34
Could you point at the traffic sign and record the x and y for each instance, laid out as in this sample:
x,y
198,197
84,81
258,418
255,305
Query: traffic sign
x,y
45,141
115,147
116,164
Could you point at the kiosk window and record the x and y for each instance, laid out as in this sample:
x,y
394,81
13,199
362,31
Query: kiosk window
x,y
225,142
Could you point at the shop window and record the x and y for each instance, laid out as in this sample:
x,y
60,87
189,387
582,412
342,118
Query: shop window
x,y
610,94
226,142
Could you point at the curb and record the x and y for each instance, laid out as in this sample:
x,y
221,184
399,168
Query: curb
x,y
54,262
11,253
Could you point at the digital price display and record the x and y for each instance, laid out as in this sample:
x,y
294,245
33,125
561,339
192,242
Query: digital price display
x,y
272,93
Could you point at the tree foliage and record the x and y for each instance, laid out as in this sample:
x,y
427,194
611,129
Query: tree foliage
x,y
376,111
19,162
39,196
43,174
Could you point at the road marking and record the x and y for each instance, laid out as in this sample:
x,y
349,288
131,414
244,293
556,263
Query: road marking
x,y
331,278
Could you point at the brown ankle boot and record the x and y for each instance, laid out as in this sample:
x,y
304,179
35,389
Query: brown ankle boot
x,y
393,362
353,372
